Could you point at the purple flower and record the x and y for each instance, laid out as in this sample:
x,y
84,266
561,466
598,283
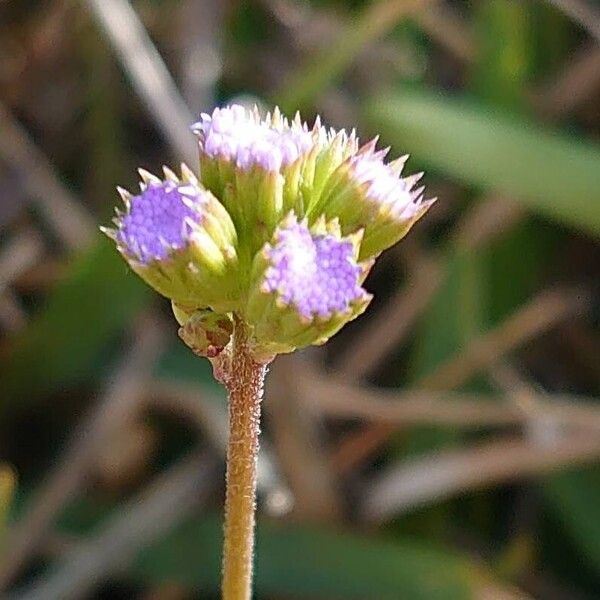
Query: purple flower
x,y
384,186
240,136
180,240
159,220
225,244
366,193
316,274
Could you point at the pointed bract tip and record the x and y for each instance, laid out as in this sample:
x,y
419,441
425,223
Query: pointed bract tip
x,y
188,175
411,180
109,232
125,196
148,177
170,174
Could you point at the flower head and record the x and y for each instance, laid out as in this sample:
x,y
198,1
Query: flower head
x,y
306,285
179,239
160,220
261,168
317,274
366,192
280,231
241,137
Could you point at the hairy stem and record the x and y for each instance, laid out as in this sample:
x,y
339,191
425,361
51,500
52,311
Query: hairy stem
x,y
245,384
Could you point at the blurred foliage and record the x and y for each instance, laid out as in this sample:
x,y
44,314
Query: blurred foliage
x,y
471,120
504,154
59,350
7,486
308,562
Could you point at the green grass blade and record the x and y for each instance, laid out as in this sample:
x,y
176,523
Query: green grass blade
x,y
555,175
7,488
574,498
309,563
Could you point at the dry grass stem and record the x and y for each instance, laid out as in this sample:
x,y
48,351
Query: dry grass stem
x,y
209,415
148,72
446,473
444,25
575,83
538,315
334,399
298,444
200,52
377,20
582,12
392,323
65,214
388,327
19,254
12,315
193,403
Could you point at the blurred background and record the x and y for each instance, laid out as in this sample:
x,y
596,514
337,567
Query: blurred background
x,y
445,445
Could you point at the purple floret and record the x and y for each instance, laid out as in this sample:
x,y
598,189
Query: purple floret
x,y
238,135
315,273
386,187
159,220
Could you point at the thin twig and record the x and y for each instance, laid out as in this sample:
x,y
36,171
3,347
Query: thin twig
x,y
60,208
538,315
446,473
333,398
298,446
581,12
148,72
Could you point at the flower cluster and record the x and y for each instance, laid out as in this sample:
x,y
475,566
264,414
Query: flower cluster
x,y
280,229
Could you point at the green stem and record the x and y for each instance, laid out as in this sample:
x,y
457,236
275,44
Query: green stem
x,y
245,384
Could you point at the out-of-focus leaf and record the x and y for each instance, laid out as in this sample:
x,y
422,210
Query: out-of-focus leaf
x,y
553,38
557,176
65,342
7,487
504,59
309,563
522,252
454,315
574,497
